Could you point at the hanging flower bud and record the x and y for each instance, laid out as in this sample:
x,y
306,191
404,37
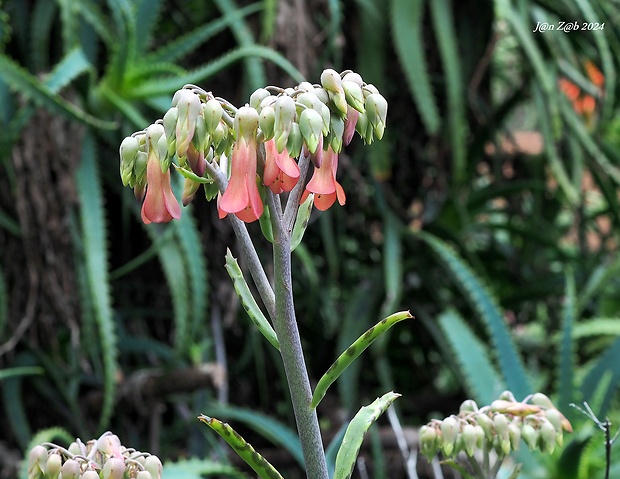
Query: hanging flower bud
x,y
449,431
331,81
190,188
114,468
353,77
128,152
144,475
257,97
170,129
547,436
285,112
189,107
353,94
212,112
53,466
266,122
486,423
514,433
37,461
75,448
311,127
336,133
507,396
70,469
470,439
541,400
376,109
349,125
468,405
428,441
154,466
530,436
295,141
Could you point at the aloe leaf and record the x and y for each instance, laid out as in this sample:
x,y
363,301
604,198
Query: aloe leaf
x,y
407,26
268,428
168,85
93,233
4,304
352,353
72,65
596,327
301,222
566,364
43,16
490,313
243,448
604,368
447,42
248,302
27,84
366,416
480,377
145,19
21,371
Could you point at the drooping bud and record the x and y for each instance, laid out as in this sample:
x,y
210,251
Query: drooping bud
x,y
547,436
170,128
285,111
114,468
144,475
311,127
154,466
449,432
75,448
507,396
336,133
376,109
470,439
353,95
90,474
266,122
331,81
428,441
541,399
514,433
468,405
257,97
295,141
486,423
212,112
189,190
53,466
70,469
189,106
37,461
246,124
349,125
530,436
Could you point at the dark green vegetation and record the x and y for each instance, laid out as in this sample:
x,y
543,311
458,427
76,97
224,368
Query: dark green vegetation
x,y
106,324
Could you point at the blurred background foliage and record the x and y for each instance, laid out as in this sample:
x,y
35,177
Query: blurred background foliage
x,y
490,210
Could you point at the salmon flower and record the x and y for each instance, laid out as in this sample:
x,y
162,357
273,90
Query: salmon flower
x,y
323,182
160,205
281,172
241,196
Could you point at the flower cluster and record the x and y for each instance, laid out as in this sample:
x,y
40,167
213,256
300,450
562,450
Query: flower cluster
x,y
103,458
257,146
499,427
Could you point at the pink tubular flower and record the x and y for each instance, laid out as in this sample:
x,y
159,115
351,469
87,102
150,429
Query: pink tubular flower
x,y
160,205
323,183
281,172
241,196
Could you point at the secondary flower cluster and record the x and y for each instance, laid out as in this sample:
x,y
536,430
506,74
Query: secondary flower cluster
x,y
499,426
103,458
257,146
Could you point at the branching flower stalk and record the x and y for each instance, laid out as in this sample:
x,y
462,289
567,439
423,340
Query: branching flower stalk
x,y
252,160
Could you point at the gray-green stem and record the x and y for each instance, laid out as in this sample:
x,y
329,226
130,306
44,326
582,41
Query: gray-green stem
x,y
285,325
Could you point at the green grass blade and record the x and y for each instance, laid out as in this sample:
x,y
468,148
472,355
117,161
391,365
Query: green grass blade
x,y
168,85
447,38
21,371
407,18
604,368
352,353
359,425
19,79
267,427
566,364
243,448
490,313
93,234
199,468
482,381
248,302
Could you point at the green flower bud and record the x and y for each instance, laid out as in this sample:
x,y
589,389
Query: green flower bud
x,y
480,435
370,89
246,123
331,81
75,449
128,150
336,133
468,406
201,137
305,86
514,433
376,109
153,465
37,461
212,112
449,431
90,474
139,168
322,95
530,436
53,466
311,127
285,111
353,94
144,475
540,399
500,422
555,417
257,97
295,141
428,441
266,122
190,188
507,396
353,77
189,106
219,135
486,423
547,436
470,439
170,122
114,468
70,469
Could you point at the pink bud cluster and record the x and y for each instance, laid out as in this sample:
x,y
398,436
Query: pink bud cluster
x,y
499,427
103,458
257,146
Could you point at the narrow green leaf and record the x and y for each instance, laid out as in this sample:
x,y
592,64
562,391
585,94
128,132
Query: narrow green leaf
x,y
21,371
267,427
243,448
266,226
190,175
481,379
145,18
199,468
490,313
93,233
19,79
347,454
407,35
248,302
72,65
605,368
596,327
301,222
43,16
566,364
352,353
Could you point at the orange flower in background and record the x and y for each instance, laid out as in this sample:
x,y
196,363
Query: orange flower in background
x,y
281,172
160,205
583,103
323,183
241,196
